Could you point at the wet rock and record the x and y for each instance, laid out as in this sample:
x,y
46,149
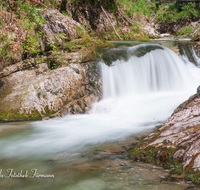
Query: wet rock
x,y
177,142
198,90
43,93
179,155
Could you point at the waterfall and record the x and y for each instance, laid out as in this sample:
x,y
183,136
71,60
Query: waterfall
x,y
140,91
188,53
158,70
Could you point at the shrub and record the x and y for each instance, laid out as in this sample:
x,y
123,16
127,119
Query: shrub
x,y
185,31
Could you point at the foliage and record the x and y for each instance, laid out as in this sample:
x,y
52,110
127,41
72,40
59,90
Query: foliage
x,y
32,44
79,30
186,31
31,21
193,177
140,7
6,48
169,12
34,15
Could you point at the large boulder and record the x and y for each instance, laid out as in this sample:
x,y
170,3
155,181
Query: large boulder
x,y
30,90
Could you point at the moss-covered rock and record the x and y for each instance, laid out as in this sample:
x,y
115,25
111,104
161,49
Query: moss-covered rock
x,y
13,116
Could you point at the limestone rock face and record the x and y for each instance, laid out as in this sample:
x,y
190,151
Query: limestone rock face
x,y
150,31
182,132
196,35
175,144
38,92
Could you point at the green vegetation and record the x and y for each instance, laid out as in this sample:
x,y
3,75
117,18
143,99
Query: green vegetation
x,y
164,12
193,176
32,44
12,116
186,31
169,12
6,48
163,156
30,19
139,7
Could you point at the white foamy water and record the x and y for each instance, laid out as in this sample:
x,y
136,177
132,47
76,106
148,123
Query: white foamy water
x,y
137,95
195,57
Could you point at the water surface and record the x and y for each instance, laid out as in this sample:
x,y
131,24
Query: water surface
x,y
140,91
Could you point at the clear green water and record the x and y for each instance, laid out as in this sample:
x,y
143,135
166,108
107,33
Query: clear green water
x,y
103,167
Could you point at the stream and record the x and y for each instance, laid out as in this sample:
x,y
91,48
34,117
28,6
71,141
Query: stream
x,y
142,86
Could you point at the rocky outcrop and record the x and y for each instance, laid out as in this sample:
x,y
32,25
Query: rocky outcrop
x,y
150,31
196,35
30,90
43,30
176,145
170,27
59,28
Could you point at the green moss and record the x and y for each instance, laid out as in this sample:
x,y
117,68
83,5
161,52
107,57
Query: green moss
x,y
79,30
156,136
11,116
151,152
134,152
144,140
159,126
177,168
48,112
85,43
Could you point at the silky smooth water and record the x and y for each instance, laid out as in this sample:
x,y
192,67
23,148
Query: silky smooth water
x,y
138,94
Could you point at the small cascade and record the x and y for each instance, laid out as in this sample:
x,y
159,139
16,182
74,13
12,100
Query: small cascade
x,y
188,53
140,91
159,70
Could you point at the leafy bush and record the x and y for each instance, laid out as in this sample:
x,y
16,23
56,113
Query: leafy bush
x,y
169,12
32,44
185,31
139,7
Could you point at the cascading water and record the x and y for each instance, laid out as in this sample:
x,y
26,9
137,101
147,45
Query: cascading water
x,y
157,71
188,53
137,95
